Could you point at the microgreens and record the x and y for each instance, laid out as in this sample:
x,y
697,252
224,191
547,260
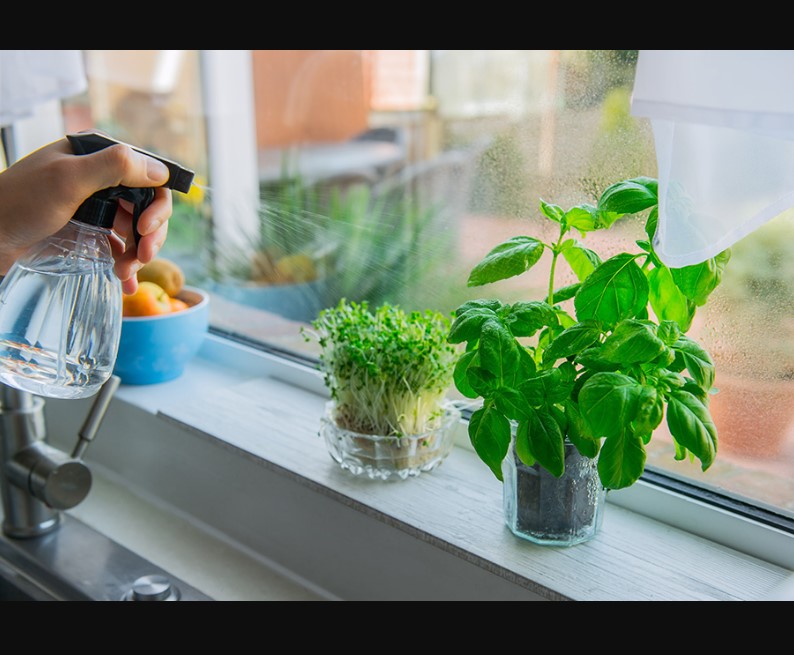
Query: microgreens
x,y
388,371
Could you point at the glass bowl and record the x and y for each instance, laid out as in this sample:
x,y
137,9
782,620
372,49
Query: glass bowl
x,y
384,458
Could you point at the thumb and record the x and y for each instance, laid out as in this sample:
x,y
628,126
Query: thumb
x,y
121,165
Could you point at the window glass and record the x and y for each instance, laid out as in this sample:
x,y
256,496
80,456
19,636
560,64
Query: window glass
x,y
386,175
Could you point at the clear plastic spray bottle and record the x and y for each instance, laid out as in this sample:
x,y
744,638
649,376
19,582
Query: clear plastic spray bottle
x,y
61,302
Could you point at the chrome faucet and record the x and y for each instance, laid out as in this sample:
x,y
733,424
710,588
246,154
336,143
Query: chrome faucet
x,y
47,554
36,479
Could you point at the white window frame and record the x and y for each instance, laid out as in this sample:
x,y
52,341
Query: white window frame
x,y
227,84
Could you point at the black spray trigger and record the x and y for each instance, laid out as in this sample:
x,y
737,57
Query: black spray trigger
x,y
100,208
140,198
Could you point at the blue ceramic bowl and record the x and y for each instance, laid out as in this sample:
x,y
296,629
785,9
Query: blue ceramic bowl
x,y
156,348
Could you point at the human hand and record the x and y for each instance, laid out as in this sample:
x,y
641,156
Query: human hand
x,y
42,191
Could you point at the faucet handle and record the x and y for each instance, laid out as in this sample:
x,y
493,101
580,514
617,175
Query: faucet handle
x,y
39,479
63,482
95,415
54,478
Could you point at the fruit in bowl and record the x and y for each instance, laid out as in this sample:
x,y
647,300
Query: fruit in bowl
x,y
149,300
165,274
161,330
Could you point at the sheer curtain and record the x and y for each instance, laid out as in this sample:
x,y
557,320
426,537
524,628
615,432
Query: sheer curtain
x,y
723,125
31,84
31,77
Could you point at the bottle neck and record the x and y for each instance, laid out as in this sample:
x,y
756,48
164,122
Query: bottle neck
x,y
97,229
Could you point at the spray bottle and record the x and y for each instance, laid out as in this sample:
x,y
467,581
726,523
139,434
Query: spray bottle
x,y
61,302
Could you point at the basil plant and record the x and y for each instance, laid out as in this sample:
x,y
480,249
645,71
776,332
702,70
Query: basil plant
x,y
603,376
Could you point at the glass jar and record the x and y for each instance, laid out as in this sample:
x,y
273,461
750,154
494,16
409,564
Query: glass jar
x,y
553,511
384,457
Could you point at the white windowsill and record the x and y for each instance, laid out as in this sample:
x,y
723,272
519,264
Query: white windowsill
x,y
230,451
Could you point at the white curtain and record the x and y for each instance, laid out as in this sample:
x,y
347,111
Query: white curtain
x,y
723,125
31,77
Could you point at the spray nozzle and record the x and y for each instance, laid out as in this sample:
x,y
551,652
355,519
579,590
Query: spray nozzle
x,y
100,209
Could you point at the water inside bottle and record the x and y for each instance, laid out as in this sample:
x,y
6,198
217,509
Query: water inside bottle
x,y
59,330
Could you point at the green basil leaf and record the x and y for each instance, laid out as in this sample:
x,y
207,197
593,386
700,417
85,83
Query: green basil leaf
x,y
468,324
546,441
691,425
578,431
665,358
568,373
584,376
571,341
669,331
499,351
545,338
668,301
690,355
671,379
699,280
558,414
629,196
582,261
606,219
557,384
703,395
534,391
523,449
617,289
489,433
513,257
565,319
511,403
583,218
608,401
632,342
554,212
650,411
481,381
526,367
593,358
460,373
650,224
526,318
565,293
481,303
621,460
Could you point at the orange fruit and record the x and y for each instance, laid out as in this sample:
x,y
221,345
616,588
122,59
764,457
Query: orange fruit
x,y
178,305
148,300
